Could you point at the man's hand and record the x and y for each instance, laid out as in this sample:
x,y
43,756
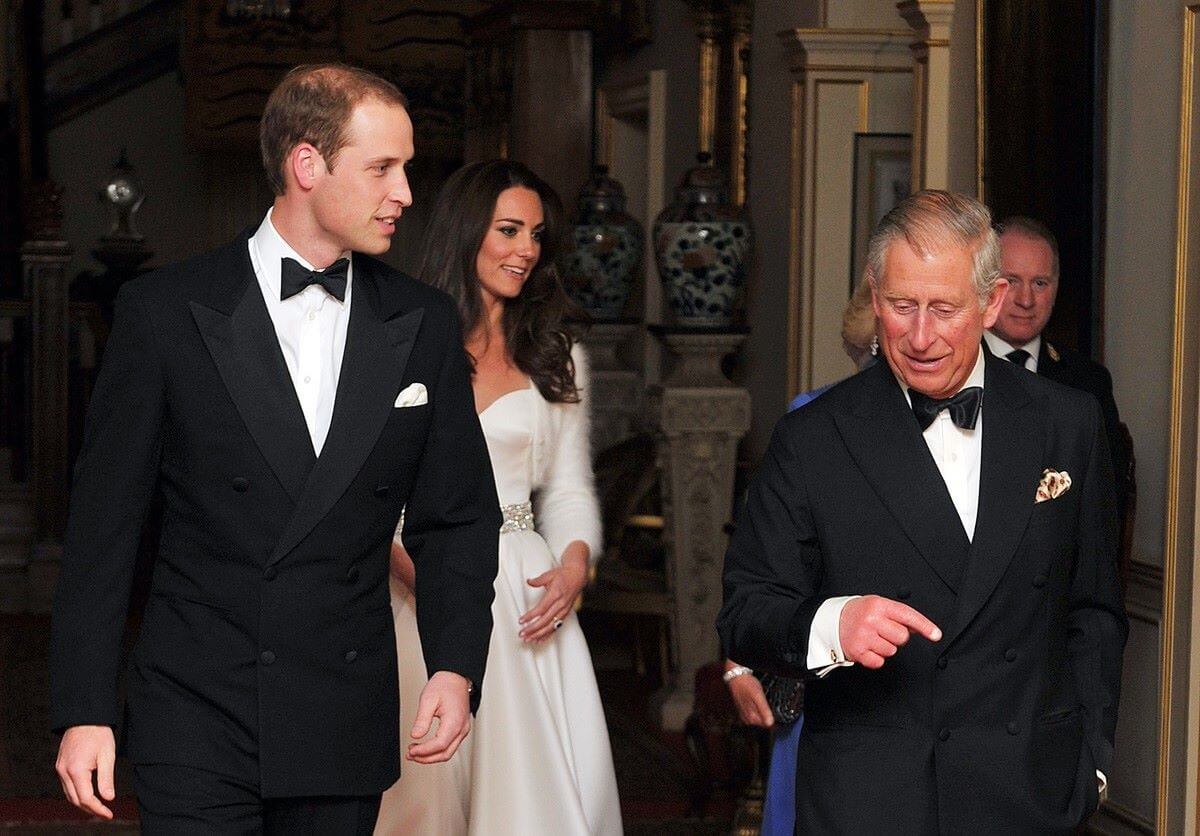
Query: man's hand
x,y
750,700
82,751
871,629
446,697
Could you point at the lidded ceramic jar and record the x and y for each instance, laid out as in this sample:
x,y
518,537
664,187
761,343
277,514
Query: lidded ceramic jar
x,y
603,249
701,244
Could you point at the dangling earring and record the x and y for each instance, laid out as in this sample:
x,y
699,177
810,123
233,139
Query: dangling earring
x,y
874,345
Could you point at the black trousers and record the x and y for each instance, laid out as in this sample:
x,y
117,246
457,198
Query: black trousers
x,y
182,801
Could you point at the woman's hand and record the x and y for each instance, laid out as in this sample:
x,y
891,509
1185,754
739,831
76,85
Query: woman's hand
x,y
402,567
563,585
748,696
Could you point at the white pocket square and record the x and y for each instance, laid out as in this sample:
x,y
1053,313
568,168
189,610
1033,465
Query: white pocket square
x,y
413,395
1053,485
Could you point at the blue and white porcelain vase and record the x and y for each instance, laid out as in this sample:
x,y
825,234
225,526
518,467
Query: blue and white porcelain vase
x,y
701,245
603,249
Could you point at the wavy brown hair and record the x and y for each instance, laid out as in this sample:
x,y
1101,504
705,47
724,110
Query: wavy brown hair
x,y
536,332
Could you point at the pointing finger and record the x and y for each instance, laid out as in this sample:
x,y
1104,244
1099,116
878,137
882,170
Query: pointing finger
x,y
916,622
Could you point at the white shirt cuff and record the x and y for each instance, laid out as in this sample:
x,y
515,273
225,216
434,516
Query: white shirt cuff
x,y
1103,783
824,645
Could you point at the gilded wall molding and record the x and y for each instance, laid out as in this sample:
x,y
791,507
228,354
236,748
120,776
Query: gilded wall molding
x,y
932,23
819,58
1176,788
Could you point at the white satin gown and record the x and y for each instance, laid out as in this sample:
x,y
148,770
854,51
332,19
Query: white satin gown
x,y
537,761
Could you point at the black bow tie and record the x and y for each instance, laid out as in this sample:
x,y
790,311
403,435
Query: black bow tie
x,y
1018,356
294,278
964,407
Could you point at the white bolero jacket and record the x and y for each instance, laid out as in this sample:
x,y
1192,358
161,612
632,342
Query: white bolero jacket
x,y
565,506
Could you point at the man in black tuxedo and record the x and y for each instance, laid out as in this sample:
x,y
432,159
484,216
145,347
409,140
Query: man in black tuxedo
x,y
286,395
1029,262
946,497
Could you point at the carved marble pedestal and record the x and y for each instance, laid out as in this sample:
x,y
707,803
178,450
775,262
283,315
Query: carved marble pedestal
x,y
699,417
616,396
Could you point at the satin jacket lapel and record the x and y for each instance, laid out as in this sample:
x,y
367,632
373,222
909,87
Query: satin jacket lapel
x,y
372,369
240,337
1010,467
884,439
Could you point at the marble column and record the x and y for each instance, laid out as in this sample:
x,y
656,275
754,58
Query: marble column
x,y
699,418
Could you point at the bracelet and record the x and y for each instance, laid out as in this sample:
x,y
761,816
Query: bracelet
x,y
734,672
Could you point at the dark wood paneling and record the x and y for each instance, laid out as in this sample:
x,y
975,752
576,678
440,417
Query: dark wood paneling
x,y
1045,141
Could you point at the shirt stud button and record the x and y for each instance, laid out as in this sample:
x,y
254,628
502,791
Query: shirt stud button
x,y
1013,728
240,484
351,655
944,735
267,657
1010,655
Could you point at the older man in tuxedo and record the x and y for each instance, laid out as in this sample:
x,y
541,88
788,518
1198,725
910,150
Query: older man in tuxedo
x,y
286,395
933,542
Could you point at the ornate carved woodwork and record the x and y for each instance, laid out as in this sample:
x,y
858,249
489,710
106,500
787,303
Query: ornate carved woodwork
x,y
232,63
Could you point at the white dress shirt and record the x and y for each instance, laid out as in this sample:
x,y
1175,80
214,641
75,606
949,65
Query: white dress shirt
x,y
956,452
1001,349
311,328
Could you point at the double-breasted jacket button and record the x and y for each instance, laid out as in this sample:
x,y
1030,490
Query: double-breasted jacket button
x,y
382,490
1013,728
240,484
1010,655
944,735
267,657
942,662
1039,581
270,573
352,575
903,593
351,655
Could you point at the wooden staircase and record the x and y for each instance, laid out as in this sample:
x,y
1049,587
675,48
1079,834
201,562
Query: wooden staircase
x,y
105,50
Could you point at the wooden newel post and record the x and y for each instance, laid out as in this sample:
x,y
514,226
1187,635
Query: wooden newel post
x,y
44,259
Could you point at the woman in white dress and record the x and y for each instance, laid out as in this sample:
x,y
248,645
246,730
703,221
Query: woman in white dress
x,y
538,759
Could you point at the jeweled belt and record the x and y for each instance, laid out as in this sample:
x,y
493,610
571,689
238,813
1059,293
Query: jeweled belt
x,y
517,517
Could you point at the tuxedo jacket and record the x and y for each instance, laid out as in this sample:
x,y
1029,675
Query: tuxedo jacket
x,y
267,649
1000,726
1079,372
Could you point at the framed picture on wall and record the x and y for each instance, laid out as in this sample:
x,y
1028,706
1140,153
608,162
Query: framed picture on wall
x,y
882,178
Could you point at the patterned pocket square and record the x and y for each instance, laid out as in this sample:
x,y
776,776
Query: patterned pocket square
x,y
1053,485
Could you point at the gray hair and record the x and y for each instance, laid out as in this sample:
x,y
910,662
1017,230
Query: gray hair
x,y
933,220
1035,229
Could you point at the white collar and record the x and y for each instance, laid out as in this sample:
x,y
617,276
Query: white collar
x,y
271,249
1002,348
